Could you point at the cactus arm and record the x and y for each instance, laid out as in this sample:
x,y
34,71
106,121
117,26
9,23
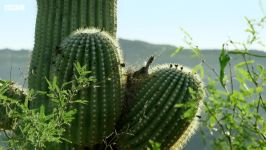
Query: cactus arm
x,y
99,52
155,117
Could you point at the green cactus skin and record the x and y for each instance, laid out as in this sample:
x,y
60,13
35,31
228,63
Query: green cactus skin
x,y
101,55
56,19
155,115
11,91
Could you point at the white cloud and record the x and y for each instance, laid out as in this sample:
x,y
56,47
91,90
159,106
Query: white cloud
x,y
14,7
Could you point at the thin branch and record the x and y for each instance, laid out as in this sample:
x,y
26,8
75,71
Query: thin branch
x,y
221,126
256,85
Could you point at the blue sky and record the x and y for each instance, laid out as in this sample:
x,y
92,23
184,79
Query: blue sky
x,y
210,22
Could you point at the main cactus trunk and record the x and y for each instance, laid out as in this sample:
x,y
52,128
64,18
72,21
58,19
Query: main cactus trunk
x,y
56,19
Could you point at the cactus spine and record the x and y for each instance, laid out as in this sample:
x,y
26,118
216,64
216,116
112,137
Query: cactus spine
x,y
56,19
155,117
101,55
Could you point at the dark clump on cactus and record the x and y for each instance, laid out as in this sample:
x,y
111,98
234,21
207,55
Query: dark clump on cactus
x,y
56,19
164,111
100,53
133,83
10,91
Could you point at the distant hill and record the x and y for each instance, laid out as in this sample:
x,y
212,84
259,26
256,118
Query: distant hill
x,y
137,52
14,65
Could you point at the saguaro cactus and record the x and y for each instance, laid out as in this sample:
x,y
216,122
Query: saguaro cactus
x,y
165,109
56,19
162,108
100,53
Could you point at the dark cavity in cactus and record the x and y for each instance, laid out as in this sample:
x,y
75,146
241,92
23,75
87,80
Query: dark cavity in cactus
x,y
100,53
164,111
56,19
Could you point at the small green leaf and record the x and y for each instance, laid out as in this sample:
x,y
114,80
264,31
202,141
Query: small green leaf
x,y
179,105
154,145
199,68
241,64
66,140
42,110
242,73
196,51
259,89
179,49
189,113
260,68
80,101
212,121
26,102
223,60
